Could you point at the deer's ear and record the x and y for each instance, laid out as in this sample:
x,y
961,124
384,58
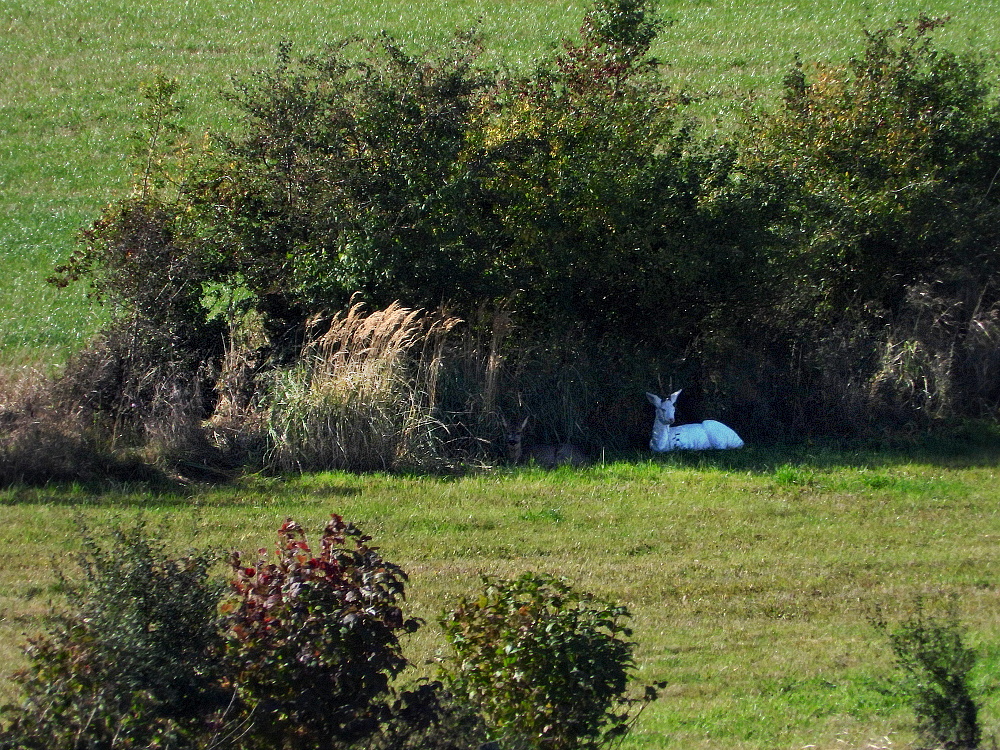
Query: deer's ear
x,y
653,399
674,395
524,424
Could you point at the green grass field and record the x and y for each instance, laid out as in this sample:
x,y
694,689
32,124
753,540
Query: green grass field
x,y
73,68
750,574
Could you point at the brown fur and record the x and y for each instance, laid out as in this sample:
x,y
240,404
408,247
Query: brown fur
x,y
548,456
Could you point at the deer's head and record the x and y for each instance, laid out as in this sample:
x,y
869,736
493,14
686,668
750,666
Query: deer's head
x,y
664,407
514,439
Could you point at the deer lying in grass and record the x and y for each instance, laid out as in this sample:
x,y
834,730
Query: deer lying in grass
x,y
691,437
548,456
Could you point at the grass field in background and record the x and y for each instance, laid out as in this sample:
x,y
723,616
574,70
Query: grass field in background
x,y
72,70
750,574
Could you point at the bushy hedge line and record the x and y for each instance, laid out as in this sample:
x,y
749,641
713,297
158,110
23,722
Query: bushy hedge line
x,y
828,268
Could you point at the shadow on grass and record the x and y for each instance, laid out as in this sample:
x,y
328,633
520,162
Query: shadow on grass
x,y
169,493
133,484
967,445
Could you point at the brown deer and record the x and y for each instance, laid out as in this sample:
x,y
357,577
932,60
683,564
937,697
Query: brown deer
x,y
548,456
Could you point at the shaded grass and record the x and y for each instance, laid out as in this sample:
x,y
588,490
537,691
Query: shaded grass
x,y
750,592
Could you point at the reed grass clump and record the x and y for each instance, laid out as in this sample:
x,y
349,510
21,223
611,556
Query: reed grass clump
x,y
362,395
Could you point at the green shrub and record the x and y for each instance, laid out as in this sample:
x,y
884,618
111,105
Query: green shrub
x,y
879,160
547,665
600,181
313,639
141,257
937,665
135,660
877,180
350,176
429,717
626,26
569,193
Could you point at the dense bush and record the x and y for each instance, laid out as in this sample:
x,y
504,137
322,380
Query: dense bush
x,y
880,163
134,662
426,179
586,154
313,639
882,171
350,176
547,665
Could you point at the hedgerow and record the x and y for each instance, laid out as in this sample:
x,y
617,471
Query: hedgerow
x,y
828,268
885,241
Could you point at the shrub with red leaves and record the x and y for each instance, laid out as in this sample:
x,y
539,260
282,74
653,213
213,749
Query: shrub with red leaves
x,y
313,638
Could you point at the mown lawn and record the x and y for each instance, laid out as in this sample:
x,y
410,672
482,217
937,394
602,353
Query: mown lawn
x,y
750,575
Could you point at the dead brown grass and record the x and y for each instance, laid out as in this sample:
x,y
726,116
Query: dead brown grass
x,y
362,395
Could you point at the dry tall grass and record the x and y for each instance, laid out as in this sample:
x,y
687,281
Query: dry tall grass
x,y
401,388
944,348
30,446
362,395
47,438
388,389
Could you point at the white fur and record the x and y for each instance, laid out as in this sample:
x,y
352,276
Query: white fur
x,y
690,437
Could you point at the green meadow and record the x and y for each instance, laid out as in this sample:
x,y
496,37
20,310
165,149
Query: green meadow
x,y
750,575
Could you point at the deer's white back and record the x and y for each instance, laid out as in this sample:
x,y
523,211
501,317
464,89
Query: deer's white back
x,y
692,437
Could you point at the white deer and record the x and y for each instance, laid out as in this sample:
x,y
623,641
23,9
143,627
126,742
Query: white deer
x,y
548,456
687,437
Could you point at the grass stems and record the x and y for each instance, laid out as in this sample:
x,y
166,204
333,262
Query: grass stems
x,y
359,397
